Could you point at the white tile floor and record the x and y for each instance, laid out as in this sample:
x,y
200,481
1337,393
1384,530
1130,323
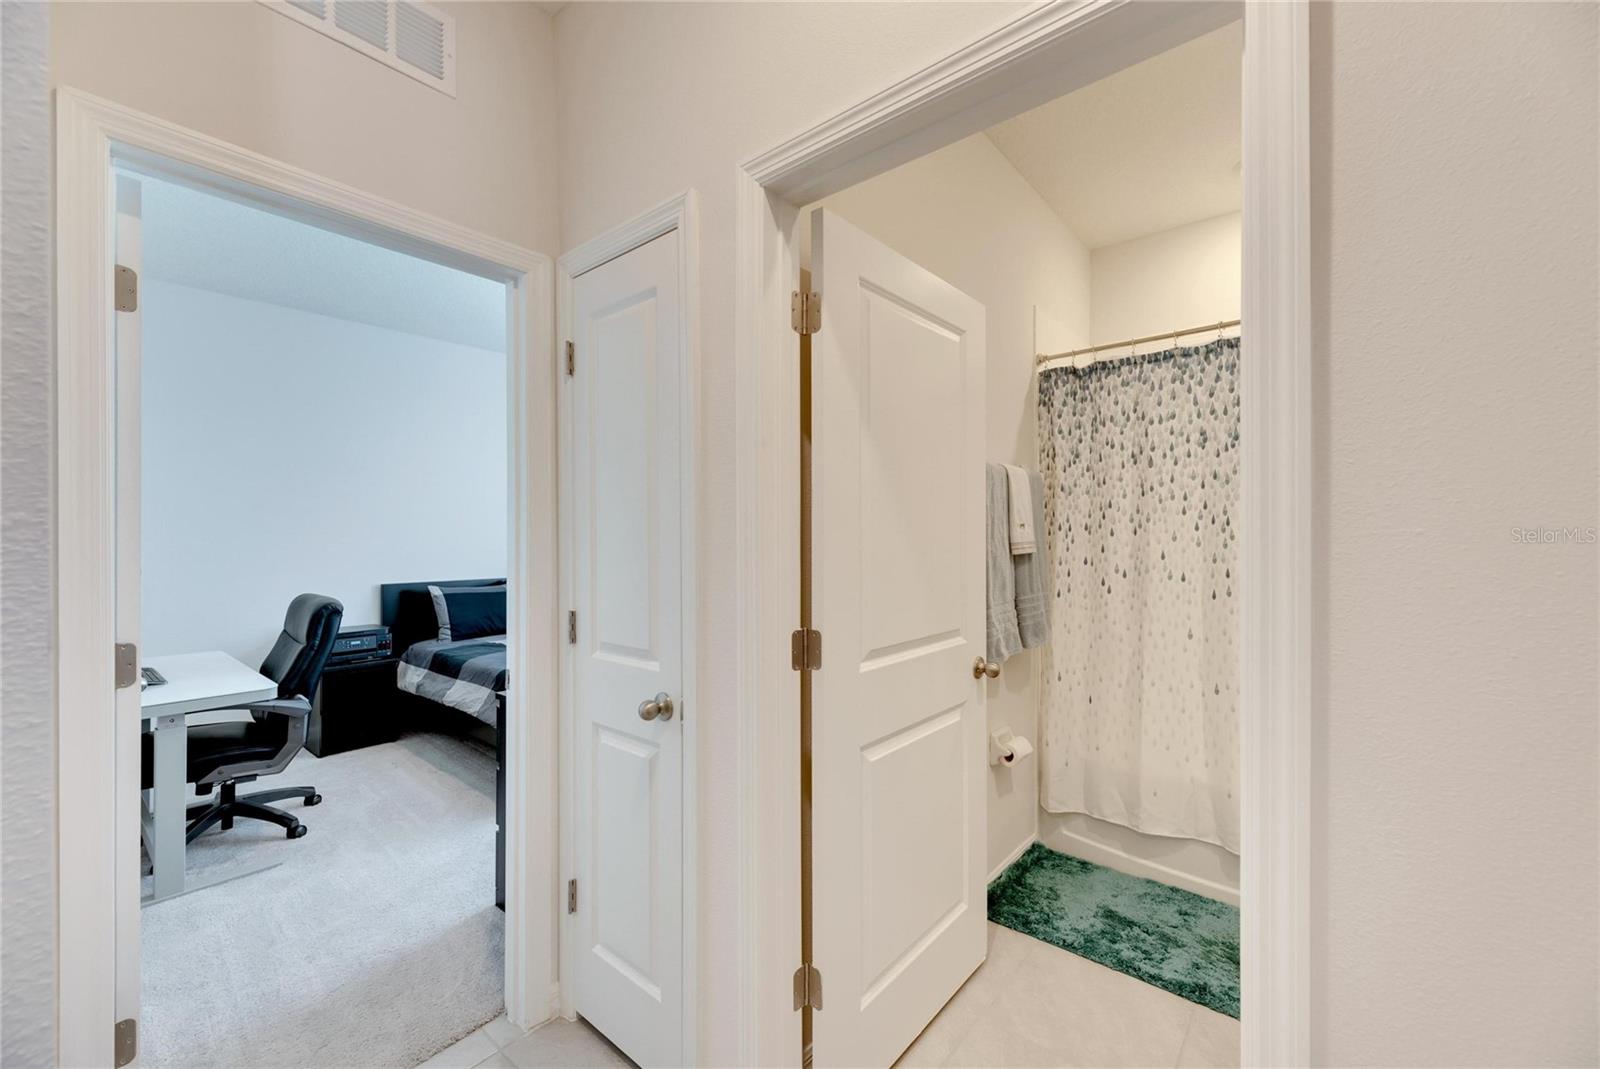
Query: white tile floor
x,y
502,1045
1029,1004
1032,1004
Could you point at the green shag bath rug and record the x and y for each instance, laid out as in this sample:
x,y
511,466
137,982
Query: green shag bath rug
x,y
1179,941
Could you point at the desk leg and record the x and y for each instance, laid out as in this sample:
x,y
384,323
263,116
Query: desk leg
x,y
167,820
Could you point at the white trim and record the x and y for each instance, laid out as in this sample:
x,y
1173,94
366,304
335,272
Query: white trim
x,y
1059,836
1042,54
1010,859
681,214
1277,478
91,133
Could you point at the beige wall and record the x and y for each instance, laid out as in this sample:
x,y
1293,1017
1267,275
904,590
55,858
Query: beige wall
x,y
657,98
1164,281
965,214
1454,863
1454,228
484,159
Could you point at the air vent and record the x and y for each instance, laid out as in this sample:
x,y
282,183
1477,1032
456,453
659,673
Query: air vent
x,y
414,38
419,38
366,19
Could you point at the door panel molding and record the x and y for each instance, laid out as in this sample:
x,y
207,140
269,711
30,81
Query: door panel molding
x,y
898,551
1023,62
677,214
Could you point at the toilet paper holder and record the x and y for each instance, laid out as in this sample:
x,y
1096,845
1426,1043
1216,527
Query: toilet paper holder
x,y
1006,748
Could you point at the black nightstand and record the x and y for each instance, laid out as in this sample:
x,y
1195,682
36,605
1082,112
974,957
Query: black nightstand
x,y
355,706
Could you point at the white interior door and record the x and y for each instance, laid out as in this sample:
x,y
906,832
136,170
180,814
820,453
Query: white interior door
x,y
628,926
897,745
128,377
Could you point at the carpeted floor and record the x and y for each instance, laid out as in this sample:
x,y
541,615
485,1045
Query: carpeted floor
x,y
1178,941
376,942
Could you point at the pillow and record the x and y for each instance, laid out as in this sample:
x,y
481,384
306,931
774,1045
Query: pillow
x,y
465,612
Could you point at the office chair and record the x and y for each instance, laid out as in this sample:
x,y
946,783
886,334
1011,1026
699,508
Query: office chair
x,y
227,755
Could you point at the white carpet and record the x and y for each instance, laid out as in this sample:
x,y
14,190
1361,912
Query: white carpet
x,y
375,943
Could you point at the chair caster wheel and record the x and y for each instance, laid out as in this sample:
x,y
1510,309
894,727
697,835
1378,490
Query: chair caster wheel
x,y
315,799
297,832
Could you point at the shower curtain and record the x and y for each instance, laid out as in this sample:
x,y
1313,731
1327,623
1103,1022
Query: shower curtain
x,y
1139,714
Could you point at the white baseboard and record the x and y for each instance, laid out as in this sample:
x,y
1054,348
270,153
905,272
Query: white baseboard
x,y
1212,861
1011,858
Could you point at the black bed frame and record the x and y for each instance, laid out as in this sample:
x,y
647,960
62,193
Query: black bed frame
x,y
433,715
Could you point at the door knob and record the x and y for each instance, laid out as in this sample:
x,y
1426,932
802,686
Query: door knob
x,y
659,706
981,668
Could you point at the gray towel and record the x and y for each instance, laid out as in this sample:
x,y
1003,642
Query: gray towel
x,y
1033,604
1004,638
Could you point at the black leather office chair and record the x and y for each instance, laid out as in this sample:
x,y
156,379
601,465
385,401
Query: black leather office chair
x,y
231,754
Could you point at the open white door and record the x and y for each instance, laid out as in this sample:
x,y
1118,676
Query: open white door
x,y
626,921
129,264
897,744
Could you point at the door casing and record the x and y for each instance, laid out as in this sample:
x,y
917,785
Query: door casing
x,y
1029,59
678,213
92,136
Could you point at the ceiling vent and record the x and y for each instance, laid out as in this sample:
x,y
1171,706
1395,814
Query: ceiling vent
x,y
413,37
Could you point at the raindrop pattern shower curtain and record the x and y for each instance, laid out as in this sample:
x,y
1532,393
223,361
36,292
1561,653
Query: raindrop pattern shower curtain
x,y
1139,715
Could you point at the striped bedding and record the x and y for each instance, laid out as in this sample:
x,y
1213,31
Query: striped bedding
x,y
465,675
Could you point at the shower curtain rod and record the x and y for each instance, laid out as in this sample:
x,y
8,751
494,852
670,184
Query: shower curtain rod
x,y
1048,358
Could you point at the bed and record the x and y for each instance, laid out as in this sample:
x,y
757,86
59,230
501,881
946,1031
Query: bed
x,y
443,678
459,668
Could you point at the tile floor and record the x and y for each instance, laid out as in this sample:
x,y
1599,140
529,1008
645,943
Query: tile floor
x,y
1033,1004
502,1045
1029,1004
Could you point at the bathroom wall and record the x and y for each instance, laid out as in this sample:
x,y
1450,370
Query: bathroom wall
x,y
1175,278
965,214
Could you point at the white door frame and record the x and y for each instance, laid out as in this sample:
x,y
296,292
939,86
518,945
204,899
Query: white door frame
x,y
91,135
680,214
1032,58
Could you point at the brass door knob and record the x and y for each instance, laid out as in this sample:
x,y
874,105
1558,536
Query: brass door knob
x,y
981,668
659,706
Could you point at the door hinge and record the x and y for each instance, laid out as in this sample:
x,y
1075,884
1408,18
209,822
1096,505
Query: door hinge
x,y
127,1041
127,655
572,357
126,289
805,312
572,627
805,650
572,896
807,987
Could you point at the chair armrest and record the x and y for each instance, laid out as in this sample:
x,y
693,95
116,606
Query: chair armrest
x,y
296,707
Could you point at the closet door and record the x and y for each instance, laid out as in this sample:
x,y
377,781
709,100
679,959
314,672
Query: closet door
x,y
625,917
897,744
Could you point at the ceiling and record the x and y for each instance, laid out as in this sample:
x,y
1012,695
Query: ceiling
x,y
1147,149
208,242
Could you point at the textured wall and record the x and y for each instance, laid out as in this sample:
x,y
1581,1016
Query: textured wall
x,y
1454,756
237,71
484,158
657,98
27,615
1454,174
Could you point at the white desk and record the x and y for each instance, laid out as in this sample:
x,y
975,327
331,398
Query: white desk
x,y
196,683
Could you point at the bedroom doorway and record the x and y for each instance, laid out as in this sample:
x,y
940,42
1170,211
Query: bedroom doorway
x,y
377,752
281,452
